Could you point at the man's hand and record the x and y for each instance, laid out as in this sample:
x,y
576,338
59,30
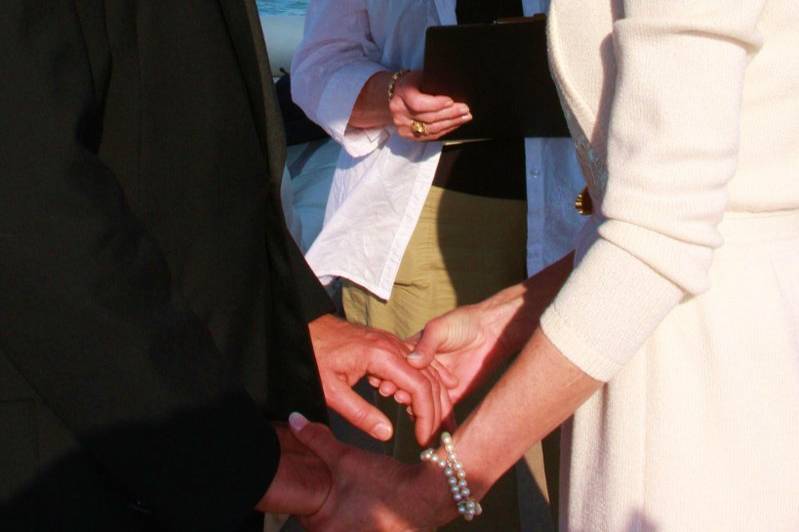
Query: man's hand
x,y
372,491
302,482
346,352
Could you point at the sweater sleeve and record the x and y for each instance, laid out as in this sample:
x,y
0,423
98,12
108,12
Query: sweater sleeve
x,y
672,149
336,58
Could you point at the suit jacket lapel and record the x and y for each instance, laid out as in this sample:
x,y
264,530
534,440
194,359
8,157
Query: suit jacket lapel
x,y
244,27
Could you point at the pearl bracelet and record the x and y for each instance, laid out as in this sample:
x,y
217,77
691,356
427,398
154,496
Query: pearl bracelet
x,y
468,507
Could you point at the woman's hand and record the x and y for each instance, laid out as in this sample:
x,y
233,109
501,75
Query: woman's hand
x,y
434,116
471,341
372,491
346,352
467,341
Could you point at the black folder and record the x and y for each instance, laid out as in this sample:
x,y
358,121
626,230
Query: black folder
x,y
501,72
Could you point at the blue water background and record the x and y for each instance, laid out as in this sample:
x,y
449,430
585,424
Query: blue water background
x,y
282,7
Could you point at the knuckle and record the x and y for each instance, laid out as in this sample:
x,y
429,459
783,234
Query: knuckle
x,y
313,434
428,387
412,101
417,384
360,416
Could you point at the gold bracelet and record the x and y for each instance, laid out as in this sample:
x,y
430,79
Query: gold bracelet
x,y
393,83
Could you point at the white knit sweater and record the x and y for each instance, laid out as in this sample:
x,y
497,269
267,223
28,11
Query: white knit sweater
x,y
693,109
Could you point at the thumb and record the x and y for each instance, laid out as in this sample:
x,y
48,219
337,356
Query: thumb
x,y
411,341
359,412
316,436
427,343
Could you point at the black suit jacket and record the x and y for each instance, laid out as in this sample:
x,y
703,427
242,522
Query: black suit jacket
x,y
153,307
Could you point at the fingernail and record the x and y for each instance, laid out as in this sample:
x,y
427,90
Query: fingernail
x,y
467,117
464,109
297,421
414,357
381,431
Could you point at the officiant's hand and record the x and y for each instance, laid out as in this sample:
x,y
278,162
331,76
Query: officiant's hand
x,y
420,116
416,115
372,491
346,352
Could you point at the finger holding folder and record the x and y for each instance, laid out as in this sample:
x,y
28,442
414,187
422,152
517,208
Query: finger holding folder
x,y
500,71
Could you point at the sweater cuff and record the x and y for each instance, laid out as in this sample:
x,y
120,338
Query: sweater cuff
x,y
610,305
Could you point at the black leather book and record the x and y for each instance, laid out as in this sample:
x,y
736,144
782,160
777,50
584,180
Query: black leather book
x,y
501,72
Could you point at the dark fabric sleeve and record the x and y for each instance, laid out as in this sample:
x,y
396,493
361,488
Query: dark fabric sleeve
x,y
315,301
87,314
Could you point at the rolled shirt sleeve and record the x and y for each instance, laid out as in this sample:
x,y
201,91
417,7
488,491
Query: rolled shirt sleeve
x,y
332,64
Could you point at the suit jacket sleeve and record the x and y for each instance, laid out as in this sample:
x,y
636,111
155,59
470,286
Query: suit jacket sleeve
x,y
87,313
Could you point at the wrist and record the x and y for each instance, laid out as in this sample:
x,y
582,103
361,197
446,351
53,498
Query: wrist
x,y
446,459
507,320
302,482
393,83
371,108
513,314
434,493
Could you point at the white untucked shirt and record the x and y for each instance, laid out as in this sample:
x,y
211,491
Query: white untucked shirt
x,y
382,180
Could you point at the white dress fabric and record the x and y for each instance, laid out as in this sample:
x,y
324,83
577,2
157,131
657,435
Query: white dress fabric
x,y
382,180
685,295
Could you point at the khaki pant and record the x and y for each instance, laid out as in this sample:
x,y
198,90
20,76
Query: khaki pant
x,y
464,249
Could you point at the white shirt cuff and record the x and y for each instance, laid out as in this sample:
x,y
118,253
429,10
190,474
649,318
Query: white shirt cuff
x,y
337,102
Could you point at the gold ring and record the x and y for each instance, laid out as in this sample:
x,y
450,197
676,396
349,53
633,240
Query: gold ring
x,y
418,128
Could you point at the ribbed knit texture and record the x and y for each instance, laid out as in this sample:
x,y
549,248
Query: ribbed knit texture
x,y
685,297
694,110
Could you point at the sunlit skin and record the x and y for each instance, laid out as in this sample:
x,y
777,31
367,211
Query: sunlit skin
x,y
539,391
440,114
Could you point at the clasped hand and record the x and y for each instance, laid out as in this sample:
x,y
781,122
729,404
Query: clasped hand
x,y
427,373
345,353
464,344
374,492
